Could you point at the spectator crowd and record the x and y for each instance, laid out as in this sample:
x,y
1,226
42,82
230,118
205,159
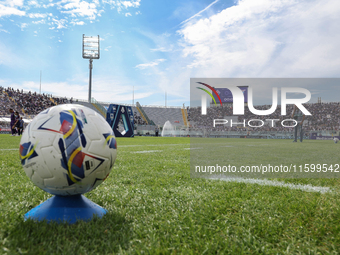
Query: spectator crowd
x,y
325,116
30,104
27,103
138,120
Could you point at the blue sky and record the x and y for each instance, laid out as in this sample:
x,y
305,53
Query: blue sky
x,y
157,46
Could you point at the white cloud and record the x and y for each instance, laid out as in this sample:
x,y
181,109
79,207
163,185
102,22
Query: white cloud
x,y
5,31
266,38
263,38
23,25
80,8
112,3
162,49
39,22
163,42
37,15
128,4
150,64
14,2
33,3
76,22
48,5
122,5
100,13
10,10
62,23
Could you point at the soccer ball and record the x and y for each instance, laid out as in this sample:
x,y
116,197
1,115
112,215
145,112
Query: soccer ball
x,y
336,140
68,150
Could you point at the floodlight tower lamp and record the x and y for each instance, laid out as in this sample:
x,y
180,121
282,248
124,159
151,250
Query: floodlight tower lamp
x,y
91,51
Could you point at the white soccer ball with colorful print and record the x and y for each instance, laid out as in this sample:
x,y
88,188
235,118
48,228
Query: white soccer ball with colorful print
x,y
68,150
336,140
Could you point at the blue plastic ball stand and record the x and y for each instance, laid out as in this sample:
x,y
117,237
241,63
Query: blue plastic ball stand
x,y
68,209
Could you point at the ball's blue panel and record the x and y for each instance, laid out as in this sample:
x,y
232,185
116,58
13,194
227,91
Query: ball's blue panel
x,y
68,209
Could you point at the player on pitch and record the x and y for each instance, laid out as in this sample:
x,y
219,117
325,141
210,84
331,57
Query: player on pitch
x,y
299,117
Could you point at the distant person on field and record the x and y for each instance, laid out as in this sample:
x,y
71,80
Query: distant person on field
x,y
12,121
156,130
299,117
21,126
16,124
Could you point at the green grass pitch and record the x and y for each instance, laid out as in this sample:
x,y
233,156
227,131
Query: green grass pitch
x,y
154,207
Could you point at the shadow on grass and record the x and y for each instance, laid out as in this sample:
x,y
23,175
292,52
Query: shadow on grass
x,y
101,236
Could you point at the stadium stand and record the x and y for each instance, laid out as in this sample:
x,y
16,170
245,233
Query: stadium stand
x,y
144,115
101,109
160,115
157,114
89,105
141,113
26,103
5,103
138,119
185,117
325,116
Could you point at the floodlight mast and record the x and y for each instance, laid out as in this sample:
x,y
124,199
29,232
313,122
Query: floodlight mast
x,y
91,51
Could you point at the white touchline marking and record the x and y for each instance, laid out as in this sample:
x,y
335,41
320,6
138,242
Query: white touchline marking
x,y
265,182
227,146
192,148
9,149
146,151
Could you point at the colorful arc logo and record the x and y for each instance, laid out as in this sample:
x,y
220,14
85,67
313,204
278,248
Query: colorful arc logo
x,y
213,90
204,100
